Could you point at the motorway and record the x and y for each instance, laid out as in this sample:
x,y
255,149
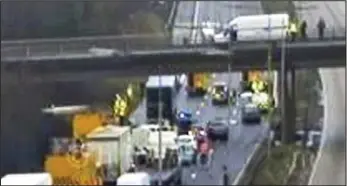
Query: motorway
x,y
330,167
243,139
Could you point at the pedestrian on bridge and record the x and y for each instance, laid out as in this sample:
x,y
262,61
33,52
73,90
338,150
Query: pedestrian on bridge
x,y
293,31
321,27
303,28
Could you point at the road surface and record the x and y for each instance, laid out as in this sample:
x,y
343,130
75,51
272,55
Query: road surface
x,y
243,138
330,167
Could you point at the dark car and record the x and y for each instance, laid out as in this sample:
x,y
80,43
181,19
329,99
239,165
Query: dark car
x,y
220,93
217,130
250,114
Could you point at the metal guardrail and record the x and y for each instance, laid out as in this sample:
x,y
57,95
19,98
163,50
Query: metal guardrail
x,y
80,45
246,175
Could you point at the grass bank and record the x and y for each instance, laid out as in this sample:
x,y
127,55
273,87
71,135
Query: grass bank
x,y
287,165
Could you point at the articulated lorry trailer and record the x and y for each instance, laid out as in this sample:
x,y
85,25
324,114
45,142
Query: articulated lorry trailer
x,y
197,84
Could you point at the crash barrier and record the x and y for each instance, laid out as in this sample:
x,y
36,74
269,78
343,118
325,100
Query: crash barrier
x,y
103,44
246,175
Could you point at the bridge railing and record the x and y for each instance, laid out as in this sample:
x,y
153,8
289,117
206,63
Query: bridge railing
x,y
81,45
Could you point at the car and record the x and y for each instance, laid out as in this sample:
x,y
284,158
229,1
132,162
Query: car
x,y
185,140
184,121
220,93
186,147
217,130
250,114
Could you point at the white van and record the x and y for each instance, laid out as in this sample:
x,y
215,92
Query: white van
x,y
27,179
138,178
256,27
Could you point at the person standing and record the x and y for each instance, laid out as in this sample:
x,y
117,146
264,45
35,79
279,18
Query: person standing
x,y
303,28
321,27
293,31
225,176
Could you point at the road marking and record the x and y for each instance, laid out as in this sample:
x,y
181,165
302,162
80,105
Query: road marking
x,y
197,112
202,104
206,97
213,75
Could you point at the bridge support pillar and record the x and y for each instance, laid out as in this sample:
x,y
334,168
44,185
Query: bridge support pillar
x,y
287,103
292,106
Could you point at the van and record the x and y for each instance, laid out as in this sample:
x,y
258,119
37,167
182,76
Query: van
x,y
27,179
138,178
256,27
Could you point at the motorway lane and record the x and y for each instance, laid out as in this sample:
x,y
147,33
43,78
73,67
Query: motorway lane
x,y
235,153
243,138
183,18
330,167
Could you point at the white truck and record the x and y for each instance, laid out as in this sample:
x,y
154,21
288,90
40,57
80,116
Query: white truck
x,y
27,179
252,27
113,148
168,139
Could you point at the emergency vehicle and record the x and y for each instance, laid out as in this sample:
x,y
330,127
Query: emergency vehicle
x,y
197,84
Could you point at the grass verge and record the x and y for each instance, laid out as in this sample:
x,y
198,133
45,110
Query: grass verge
x,y
286,165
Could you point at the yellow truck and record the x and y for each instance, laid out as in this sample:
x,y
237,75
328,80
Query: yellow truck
x,y
84,123
197,83
70,166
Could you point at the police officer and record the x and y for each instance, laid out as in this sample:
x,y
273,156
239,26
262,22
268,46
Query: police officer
x,y
293,31
303,28
321,27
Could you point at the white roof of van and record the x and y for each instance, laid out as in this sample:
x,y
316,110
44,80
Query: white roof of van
x,y
132,178
166,81
27,179
219,83
108,131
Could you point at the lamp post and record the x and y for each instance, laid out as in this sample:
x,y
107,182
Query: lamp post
x,y
160,118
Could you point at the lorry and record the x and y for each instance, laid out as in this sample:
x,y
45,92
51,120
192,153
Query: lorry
x,y
113,149
197,84
169,148
77,119
27,179
166,85
66,168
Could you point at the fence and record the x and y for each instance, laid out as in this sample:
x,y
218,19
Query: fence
x,y
81,45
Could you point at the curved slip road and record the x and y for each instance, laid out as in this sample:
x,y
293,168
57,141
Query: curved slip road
x,y
330,166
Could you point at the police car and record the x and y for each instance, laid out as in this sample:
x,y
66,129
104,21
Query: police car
x,y
220,93
184,121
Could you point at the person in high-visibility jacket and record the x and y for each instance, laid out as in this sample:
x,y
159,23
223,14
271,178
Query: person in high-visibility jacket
x,y
258,86
293,31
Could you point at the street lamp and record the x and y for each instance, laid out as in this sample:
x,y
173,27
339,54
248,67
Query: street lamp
x,y
160,118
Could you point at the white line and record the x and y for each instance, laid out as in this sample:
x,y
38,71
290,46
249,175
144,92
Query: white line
x,y
242,172
195,20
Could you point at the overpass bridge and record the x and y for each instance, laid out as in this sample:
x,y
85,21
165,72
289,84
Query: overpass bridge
x,y
181,59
